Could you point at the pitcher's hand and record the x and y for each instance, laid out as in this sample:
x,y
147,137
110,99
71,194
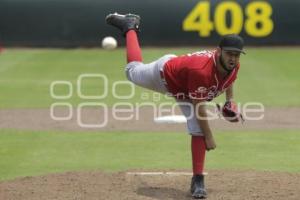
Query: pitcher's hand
x,y
210,143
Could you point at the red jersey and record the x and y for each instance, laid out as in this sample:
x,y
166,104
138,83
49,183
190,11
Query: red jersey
x,y
195,76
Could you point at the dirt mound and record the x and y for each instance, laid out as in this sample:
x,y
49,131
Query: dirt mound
x,y
233,185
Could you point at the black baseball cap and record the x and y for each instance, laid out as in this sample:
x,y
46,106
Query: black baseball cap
x,y
232,42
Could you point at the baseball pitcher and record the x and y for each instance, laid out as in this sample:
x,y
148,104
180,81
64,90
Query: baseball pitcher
x,y
192,79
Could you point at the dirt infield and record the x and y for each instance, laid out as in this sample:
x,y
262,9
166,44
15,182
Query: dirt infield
x,y
142,120
221,185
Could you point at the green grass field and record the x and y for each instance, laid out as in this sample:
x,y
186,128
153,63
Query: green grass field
x,y
268,75
26,153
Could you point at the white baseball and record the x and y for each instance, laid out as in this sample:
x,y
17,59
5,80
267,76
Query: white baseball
x,y
109,43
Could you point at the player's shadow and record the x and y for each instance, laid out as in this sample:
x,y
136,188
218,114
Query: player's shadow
x,y
163,193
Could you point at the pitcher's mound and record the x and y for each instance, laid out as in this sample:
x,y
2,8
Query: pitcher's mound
x,y
233,185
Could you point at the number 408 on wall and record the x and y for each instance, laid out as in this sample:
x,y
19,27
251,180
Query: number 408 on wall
x,y
258,21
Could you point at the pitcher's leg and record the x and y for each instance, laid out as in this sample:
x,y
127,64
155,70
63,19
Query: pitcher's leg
x,y
136,71
133,49
129,24
198,148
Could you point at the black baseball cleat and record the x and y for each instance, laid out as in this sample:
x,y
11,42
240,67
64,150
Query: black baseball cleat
x,y
197,187
124,22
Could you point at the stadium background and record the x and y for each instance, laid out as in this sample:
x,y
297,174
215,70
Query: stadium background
x,y
81,23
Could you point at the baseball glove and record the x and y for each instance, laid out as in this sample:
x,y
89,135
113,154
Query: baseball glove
x,y
230,112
